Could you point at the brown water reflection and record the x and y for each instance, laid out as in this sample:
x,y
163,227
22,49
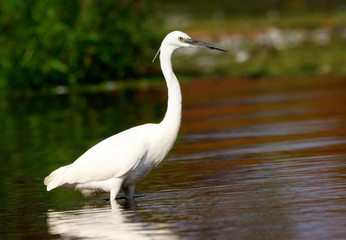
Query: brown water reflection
x,y
259,160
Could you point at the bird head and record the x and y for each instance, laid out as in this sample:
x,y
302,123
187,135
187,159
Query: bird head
x,y
177,39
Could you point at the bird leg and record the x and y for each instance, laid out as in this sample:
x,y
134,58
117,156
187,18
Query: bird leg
x,y
115,188
129,191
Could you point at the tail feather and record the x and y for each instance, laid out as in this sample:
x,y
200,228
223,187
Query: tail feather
x,y
55,179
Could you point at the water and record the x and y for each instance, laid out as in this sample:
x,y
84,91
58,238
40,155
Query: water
x,y
261,159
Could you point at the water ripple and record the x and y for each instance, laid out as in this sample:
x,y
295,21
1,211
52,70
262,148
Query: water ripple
x,y
277,146
273,129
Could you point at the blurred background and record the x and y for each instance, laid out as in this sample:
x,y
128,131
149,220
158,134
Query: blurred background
x,y
74,72
47,44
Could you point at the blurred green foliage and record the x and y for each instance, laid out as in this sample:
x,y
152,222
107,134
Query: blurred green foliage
x,y
45,44
65,42
236,8
253,30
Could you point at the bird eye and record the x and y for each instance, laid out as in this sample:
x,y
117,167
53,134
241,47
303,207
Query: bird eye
x,y
180,39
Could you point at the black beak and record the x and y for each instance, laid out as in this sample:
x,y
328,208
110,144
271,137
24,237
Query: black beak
x,y
196,43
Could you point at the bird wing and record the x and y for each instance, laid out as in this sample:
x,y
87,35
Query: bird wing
x,y
110,158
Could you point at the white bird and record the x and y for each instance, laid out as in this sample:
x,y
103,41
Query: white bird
x,y
119,161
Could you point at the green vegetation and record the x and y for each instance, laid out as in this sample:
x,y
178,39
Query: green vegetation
x,y
45,44
67,42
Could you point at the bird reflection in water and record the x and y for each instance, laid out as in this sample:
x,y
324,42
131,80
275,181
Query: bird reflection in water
x,y
111,221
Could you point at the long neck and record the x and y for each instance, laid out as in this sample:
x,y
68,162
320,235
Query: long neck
x,y
172,118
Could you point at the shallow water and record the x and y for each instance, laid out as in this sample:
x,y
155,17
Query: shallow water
x,y
261,159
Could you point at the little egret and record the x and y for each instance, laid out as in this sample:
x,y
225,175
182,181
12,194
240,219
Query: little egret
x,y
119,161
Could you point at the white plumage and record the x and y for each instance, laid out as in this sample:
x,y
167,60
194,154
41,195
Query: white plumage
x,y
119,161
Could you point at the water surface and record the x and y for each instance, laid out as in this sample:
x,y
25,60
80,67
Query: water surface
x,y
261,159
